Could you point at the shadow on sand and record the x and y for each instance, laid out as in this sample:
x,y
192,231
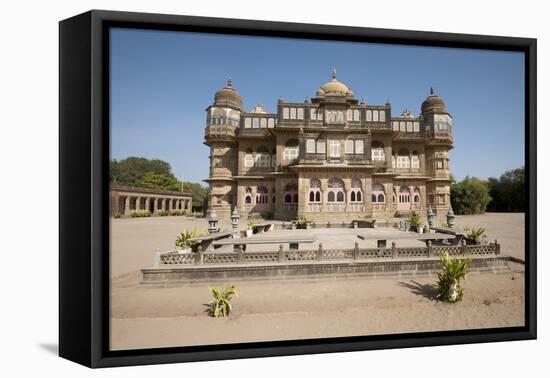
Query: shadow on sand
x,y
50,348
426,291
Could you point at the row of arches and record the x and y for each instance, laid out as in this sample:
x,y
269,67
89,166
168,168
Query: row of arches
x,y
404,197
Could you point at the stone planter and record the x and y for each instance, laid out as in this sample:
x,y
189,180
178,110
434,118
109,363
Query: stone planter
x,y
249,232
420,229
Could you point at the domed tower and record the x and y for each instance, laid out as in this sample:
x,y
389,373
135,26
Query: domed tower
x,y
222,122
438,125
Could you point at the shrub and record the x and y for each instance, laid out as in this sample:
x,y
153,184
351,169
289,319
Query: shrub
x,y
162,213
251,223
447,286
302,221
474,234
415,219
220,306
116,215
140,213
183,240
177,213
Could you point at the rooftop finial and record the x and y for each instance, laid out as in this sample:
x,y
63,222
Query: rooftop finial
x,y
334,73
431,91
229,84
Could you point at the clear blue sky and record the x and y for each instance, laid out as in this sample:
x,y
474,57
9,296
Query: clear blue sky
x,y
162,82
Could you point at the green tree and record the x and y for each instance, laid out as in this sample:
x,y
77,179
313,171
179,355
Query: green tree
x,y
130,171
470,196
163,181
199,194
508,191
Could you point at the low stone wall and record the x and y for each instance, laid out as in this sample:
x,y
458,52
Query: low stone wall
x,y
175,274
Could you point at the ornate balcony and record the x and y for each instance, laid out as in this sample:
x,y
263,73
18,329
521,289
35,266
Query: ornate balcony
x,y
220,132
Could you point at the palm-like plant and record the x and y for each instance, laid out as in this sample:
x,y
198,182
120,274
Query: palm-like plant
x,y
220,306
474,234
454,270
184,241
251,223
415,220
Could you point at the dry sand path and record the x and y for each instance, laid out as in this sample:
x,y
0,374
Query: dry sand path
x,y
149,317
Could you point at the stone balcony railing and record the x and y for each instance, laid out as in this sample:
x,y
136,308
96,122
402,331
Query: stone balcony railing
x,y
219,131
281,256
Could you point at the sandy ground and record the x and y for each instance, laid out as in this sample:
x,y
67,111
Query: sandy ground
x,y
148,317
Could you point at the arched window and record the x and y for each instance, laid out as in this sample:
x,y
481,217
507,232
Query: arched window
x,y
291,149
416,198
404,198
291,193
356,190
415,160
377,151
314,190
262,195
335,190
403,160
248,158
248,200
378,194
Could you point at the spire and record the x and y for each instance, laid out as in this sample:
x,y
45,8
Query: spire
x,y
334,73
229,84
431,91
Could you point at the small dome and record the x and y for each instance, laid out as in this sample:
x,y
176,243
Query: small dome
x,y
228,97
406,114
334,87
258,109
433,102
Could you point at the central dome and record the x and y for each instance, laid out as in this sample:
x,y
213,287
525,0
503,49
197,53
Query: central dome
x,y
335,87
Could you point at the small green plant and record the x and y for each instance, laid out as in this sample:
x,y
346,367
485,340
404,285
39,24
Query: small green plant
x,y
140,213
453,270
302,221
162,213
177,213
474,234
116,215
443,224
415,220
220,306
251,223
183,240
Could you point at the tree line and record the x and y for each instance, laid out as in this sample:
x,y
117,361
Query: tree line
x,y
140,172
503,194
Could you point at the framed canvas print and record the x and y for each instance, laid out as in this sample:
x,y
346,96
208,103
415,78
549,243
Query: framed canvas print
x,y
234,188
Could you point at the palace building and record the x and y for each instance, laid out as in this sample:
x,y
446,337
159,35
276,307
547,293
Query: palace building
x,y
331,158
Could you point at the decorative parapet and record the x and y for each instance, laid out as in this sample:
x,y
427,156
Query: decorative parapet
x,y
320,254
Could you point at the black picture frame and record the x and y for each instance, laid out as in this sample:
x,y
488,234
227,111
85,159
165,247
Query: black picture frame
x,y
83,180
